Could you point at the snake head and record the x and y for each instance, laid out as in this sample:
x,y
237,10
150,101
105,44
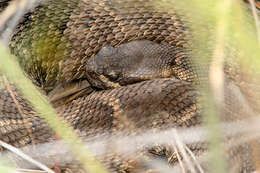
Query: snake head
x,y
134,62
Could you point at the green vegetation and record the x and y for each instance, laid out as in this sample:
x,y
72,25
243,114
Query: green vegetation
x,y
227,23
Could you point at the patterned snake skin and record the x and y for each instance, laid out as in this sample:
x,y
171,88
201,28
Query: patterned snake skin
x,y
112,66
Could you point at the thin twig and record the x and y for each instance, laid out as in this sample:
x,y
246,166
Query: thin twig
x,y
41,105
256,19
26,157
254,143
179,158
10,17
183,152
29,171
9,89
194,158
25,119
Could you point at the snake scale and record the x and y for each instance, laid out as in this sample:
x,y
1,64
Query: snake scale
x,y
110,66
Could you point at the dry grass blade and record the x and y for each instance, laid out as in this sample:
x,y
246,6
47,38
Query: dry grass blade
x,y
194,159
247,131
24,156
216,91
179,158
254,143
181,148
10,17
10,67
256,19
29,171
42,106
215,130
216,82
8,87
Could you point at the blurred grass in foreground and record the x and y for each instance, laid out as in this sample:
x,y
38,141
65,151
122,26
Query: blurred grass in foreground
x,y
226,23
12,70
5,167
217,27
